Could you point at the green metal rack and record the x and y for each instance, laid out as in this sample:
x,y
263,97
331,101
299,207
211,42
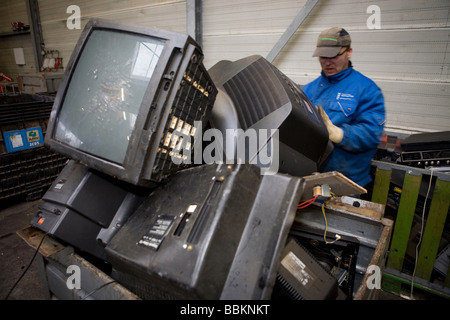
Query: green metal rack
x,y
438,195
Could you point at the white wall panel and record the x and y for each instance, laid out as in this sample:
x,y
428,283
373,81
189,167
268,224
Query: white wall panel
x,y
408,57
235,29
7,60
14,11
168,15
413,104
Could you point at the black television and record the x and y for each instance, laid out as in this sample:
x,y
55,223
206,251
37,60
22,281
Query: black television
x,y
85,208
258,98
125,91
210,232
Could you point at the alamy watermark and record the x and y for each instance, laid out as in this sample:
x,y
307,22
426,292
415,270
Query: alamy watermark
x,y
374,20
74,20
185,145
74,280
373,280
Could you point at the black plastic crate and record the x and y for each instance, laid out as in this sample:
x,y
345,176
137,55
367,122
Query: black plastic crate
x,y
29,171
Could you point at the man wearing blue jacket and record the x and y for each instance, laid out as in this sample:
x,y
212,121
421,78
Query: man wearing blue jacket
x,y
351,105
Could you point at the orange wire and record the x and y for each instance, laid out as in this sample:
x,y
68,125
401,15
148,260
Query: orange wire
x,y
306,203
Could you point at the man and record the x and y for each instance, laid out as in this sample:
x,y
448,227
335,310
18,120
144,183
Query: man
x,y
351,105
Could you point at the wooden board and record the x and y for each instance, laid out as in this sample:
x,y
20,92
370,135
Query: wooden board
x,y
34,238
339,184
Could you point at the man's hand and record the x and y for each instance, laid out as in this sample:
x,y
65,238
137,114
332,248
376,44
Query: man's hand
x,y
335,133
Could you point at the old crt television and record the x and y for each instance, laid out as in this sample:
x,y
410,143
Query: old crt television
x,y
126,89
85,208
211,232
254,94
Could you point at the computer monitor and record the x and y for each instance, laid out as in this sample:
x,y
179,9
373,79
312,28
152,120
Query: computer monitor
x,y
125,91
258,98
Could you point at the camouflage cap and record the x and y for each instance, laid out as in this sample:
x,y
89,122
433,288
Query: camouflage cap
x,y
331,41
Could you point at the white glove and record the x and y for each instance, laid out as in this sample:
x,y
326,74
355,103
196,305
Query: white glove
x,y
335,133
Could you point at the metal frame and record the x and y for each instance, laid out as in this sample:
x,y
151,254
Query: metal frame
x,y
440,200
194,22
194,25
363,224
290,31
54,259
36,32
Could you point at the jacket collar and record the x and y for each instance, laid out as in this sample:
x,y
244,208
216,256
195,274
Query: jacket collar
x,y
339,76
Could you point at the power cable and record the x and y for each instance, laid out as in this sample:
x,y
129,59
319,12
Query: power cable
x,y
98,289
421,232
26,269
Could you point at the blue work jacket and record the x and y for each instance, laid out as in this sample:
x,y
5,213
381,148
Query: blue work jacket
x,y
355,104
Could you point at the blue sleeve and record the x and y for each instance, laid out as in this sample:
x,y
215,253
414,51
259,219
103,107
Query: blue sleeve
x,y
366,128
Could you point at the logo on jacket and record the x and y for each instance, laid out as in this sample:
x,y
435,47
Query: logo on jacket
x,y
344,96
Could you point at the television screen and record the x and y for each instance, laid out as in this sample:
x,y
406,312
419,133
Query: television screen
x,y
125,91
106,89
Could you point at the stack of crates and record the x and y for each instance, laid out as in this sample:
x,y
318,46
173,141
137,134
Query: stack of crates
x,y
27,168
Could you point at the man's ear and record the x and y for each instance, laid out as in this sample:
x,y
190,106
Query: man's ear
x,y
350,51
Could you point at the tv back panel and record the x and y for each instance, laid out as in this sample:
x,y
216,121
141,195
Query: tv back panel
x,y
302,277
84,208
255,95
211,232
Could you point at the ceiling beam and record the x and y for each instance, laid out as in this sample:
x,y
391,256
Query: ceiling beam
x,y
290,31
194,23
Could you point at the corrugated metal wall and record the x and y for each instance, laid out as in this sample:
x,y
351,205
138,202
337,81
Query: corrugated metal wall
x,y
14,11
409,56
169,15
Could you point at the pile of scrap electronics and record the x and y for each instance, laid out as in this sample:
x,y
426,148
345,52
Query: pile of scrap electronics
x,y
250,220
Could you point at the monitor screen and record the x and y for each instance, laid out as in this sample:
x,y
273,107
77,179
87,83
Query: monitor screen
x,y
106,90
125,91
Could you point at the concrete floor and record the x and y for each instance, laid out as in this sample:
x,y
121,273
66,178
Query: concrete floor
x,y
16,254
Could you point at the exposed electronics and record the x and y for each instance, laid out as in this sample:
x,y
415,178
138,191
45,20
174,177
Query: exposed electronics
x,y
426,149
389,149
256,97
126,93
427,158
339,258
130,97
85,209
301,276
211,232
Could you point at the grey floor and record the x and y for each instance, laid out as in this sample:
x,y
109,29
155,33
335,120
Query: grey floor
x,y
16,254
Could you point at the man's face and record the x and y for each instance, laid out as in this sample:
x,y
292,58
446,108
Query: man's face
x,y
336,64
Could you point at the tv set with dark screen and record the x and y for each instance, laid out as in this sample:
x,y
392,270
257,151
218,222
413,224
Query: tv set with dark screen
x,y
256,96
125,91
210,232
